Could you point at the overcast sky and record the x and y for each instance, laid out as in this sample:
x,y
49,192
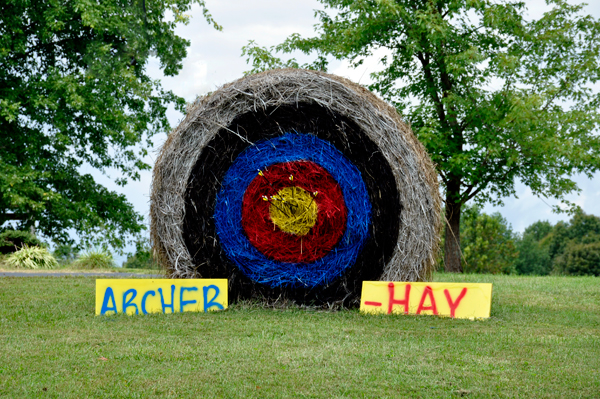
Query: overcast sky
x,y
214,58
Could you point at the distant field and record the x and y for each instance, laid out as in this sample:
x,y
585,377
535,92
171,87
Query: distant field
x,y
543,340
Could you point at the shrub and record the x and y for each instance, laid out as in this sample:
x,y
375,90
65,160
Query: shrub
x,y
142,258
12,240
581,229
65,254
534,257
31,258
487,242
94,260
534,249
579,259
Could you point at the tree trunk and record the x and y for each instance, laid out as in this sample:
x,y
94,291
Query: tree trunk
x,y
452,254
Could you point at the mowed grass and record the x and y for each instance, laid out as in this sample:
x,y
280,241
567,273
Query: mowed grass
x,y
543,340
67,269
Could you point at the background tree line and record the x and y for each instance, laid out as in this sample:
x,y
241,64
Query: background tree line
x,y
496,97
489,245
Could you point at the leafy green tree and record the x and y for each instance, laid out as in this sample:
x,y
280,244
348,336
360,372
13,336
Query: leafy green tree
x,y
12,240
494,97
65,254
581,229
573,246
584,228
538,230
142,258
533,249
568,247
488,242
74,93
558,239
579,259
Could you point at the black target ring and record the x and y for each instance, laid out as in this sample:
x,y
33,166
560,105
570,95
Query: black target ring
x,y
219,154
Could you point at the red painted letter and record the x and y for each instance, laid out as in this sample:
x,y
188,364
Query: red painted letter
x,y
427,292
394,301
454,305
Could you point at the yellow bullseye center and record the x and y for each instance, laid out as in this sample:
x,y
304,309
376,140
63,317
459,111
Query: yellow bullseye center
x,y
294,210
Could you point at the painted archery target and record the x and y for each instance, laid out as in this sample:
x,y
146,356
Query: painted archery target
x,y
292,211
295,184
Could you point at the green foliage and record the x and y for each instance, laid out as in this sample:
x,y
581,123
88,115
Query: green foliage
x,y
74,92
571,247
574,246
262,59
12,240
538,230
31,258
534,255
65,254
494,97
558,239
579,259
142,258
94,260
581,229
487,242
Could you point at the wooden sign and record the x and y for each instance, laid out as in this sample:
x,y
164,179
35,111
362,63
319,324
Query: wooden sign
x,y
459,300
143,296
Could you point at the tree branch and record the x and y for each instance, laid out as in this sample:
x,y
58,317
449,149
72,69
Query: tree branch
x,y
431,88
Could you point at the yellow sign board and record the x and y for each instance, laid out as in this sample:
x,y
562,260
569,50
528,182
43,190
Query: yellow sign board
x,y
460,300
143,296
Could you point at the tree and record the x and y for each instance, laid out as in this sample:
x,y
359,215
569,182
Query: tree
x,y
13,240
574,246
533,248
74,94
581,229
494,97
571,247
142,258
579,259
488,243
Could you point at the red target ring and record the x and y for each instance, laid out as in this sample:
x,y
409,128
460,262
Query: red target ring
x,y
264,193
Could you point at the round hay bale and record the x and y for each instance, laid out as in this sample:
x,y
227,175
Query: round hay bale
x,y
295,184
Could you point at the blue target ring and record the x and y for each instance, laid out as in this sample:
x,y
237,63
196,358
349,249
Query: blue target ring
x,y
228,212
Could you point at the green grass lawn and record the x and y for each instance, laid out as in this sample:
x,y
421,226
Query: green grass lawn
x,y
543,340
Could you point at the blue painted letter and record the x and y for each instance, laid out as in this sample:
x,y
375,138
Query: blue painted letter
x,y
182,303
144,300
127,303
162,300
108,295
209,304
